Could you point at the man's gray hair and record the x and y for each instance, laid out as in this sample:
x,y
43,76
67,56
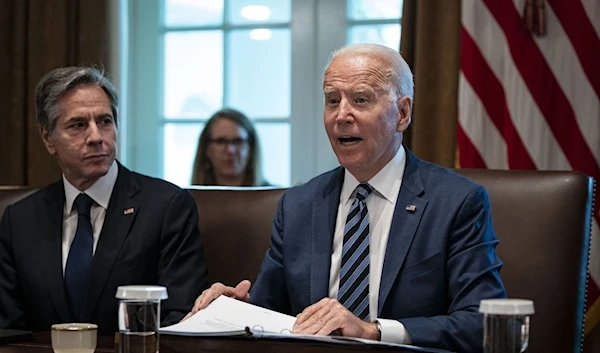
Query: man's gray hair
x,y
58,82
401,77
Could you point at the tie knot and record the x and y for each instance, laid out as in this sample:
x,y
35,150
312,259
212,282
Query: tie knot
x,y
362,191
83,204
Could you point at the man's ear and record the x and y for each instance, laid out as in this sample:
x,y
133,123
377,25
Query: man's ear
x,y
404,113
48,141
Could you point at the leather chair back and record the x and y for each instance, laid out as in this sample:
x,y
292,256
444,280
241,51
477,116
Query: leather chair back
x,y
235,224
12,194
543,221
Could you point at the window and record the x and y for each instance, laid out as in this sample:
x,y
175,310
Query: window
x,y
189,58
374,22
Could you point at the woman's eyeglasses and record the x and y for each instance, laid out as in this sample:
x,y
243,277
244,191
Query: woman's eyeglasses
x,y
224,142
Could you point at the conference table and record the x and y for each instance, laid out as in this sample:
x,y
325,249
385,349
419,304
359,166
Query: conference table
x,y
40,343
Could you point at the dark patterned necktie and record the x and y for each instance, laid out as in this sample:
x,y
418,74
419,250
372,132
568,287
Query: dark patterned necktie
x,y
80,257
354,272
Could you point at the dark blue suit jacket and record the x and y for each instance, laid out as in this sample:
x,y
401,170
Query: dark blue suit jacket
x,y
439,262
158,243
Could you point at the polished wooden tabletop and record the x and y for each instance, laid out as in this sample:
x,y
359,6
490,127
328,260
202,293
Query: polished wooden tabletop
x,y
40,343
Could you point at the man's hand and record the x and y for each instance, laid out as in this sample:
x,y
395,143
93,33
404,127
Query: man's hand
x,y
329,316
240,292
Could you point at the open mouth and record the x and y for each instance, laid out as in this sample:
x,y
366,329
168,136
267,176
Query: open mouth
x,y
349,140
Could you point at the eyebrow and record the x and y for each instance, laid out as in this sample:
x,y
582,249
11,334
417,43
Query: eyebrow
x,y
76,119
80,118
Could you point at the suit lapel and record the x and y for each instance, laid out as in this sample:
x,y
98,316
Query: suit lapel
x,y
324,214
50,215
117,224
404,225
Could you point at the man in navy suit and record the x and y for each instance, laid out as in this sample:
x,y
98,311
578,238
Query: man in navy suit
x,y
65,249
386,247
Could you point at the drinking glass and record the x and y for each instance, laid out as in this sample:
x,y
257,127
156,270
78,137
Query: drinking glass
x,y
139,318
505,325
74,338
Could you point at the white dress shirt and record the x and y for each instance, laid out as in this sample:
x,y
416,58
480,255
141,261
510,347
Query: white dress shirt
x,y
100,193
380,205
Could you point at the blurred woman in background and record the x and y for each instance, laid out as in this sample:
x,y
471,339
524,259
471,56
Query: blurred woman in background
x,y
228,152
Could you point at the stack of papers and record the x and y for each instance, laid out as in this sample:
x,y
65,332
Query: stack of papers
x,y
230,317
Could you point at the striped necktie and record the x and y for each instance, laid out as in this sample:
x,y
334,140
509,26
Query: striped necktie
x,y
354,273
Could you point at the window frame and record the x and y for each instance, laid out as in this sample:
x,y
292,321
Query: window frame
x,y
317,29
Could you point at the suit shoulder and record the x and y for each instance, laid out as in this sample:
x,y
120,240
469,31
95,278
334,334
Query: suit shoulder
x,y
33,196
153,190
155,184
320,183
439,177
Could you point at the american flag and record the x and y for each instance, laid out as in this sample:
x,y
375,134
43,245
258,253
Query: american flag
x,y
531,100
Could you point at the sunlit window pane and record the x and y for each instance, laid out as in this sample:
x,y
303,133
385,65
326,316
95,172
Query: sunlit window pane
x,y
260,11
388,35
192,12
193,74
259,72
275,141
374,9
180,142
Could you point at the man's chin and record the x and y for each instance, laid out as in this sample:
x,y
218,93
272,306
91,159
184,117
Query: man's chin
x,y
350,161
97,171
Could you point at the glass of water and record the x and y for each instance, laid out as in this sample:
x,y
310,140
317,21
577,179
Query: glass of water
x,y
506,325
139,318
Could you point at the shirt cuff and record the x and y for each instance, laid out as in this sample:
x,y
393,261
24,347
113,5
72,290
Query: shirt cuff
x,y
392,331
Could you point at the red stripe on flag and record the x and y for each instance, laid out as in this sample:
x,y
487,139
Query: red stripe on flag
x,y
468,155
491,93
544,88
549,97
582,35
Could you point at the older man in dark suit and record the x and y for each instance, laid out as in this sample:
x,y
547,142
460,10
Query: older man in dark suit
x,y
65,249
387,246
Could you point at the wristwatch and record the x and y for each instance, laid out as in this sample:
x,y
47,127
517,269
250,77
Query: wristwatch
x,y
378,327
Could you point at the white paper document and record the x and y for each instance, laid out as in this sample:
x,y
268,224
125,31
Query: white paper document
x,y
231,317
227,317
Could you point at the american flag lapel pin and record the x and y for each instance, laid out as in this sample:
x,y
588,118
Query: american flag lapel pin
x,y
128,211
411,208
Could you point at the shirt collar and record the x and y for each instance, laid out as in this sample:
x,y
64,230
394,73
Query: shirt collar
x,y
100,191
386,182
